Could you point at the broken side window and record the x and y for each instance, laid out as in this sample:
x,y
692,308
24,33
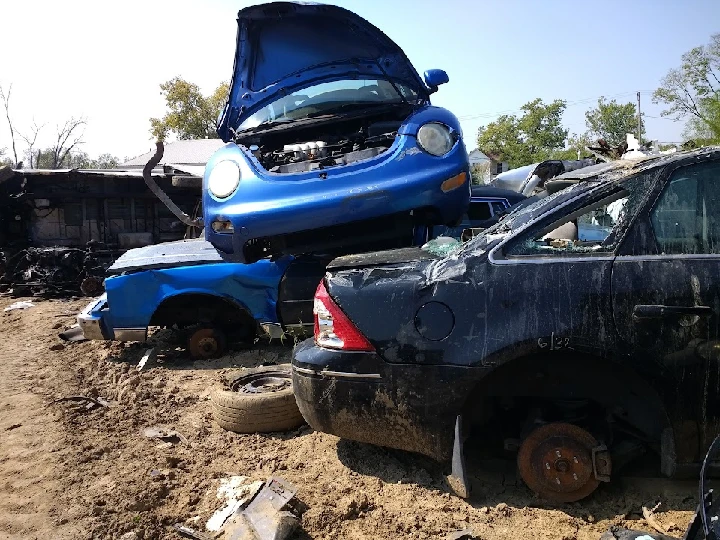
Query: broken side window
x,y
594,228
686,217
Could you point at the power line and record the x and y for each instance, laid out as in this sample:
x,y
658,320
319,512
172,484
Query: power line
x,y
567,104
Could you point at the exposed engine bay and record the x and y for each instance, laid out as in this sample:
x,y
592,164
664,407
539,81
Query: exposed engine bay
x,y
325,144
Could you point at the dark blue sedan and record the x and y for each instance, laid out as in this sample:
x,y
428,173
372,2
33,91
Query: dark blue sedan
x,y
331,139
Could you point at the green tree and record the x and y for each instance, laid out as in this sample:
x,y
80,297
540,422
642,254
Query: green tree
x,y
574,147
5,160
692,91
104,161
77,159
531,137
612,121
190,114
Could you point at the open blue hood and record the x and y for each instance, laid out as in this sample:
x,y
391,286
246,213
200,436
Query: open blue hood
x,y
284,46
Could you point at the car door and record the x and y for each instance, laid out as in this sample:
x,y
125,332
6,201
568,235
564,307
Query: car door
x,y
666,300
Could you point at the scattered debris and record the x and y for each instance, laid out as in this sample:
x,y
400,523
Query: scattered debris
x,y
192,533
618,533
56,271
465,534
13,426
237,493
269,516
73,334
91,402
651,520
19,305
442,246
150,353
164,434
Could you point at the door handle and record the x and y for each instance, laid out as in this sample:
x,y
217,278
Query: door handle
x,y
660,312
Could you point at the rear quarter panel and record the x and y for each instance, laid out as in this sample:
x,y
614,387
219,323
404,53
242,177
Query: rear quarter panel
x,y
133,298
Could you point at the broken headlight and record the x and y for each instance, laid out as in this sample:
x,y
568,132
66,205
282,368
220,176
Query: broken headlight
x,y
435,139
224,179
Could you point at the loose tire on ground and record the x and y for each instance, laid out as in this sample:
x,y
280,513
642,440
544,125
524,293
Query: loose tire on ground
x,y
259,401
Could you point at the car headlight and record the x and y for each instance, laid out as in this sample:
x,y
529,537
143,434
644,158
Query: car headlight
x,y
224,179
435,139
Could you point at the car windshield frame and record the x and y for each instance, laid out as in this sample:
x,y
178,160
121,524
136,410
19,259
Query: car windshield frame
x,y
329,97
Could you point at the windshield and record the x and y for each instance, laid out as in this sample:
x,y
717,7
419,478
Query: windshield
x,y
330,97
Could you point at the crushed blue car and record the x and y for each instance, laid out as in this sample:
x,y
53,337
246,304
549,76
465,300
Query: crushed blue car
x,y
186,285
332,141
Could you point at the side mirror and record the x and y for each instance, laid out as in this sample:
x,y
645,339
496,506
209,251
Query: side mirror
x,y
435,77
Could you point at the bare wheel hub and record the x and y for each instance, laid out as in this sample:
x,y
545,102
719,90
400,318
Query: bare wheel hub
x,y
557,461
206,343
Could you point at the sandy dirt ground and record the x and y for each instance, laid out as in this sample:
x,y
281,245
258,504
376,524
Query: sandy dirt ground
x,y
67,472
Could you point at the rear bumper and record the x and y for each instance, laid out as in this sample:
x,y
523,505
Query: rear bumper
x,y
90,319
93,322
358,396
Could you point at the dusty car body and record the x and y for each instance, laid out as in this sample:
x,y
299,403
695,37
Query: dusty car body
x,y
329,131
600,350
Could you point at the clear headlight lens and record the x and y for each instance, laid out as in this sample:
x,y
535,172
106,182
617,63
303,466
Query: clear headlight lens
x,y
224,179
435,139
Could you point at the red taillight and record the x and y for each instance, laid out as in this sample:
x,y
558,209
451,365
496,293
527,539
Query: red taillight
x,y
332,327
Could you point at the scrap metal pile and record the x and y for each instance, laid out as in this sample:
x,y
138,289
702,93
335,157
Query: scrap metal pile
x,y
54,271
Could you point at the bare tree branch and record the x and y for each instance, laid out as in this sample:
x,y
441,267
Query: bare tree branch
x,y
6,101
67,139
30,141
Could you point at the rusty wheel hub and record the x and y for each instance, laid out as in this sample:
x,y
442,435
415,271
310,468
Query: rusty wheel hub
x,y
206,343
562,462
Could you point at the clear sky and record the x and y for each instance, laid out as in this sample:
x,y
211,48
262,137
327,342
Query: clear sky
x,y
105,60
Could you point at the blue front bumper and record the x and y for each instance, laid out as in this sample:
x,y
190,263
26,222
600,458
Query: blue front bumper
x,y
268,205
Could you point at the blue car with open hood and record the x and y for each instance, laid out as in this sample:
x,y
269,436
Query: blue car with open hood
x,y
332,141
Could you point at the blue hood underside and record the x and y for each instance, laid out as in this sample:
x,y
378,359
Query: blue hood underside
x,y
284,46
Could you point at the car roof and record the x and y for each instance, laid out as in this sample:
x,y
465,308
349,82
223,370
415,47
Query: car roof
x,y
492,191
621,168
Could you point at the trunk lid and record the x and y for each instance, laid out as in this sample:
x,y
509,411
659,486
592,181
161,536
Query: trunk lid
x,y
381,258
284,46
166,255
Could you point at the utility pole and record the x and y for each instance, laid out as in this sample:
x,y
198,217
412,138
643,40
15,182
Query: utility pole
x,y
639,121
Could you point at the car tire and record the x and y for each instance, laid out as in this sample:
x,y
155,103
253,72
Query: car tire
x,y
258,401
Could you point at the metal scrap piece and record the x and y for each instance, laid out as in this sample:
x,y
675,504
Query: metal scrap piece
x,y
265,517
150,353
192,533
164,434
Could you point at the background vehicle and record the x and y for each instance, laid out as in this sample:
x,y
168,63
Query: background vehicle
x,y
574,355
487,205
